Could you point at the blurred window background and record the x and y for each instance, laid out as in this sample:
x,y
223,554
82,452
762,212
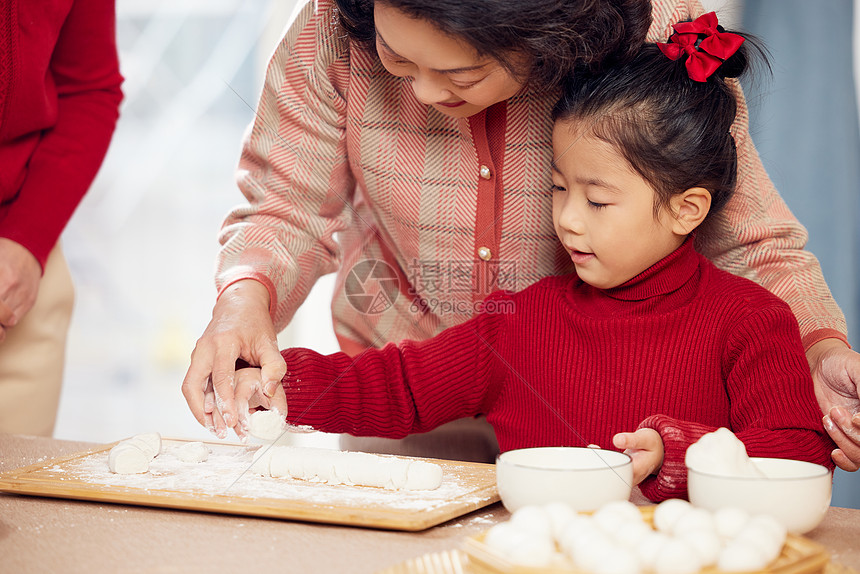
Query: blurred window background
x,y
142,245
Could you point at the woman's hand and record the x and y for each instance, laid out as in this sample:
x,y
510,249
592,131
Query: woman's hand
x,y
645,447
836,374
241,328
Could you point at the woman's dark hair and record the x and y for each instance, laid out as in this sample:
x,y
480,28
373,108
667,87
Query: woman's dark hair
x,y
555,36
673,131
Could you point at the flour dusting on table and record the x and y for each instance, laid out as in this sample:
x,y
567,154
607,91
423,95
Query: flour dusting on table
x,y
218,476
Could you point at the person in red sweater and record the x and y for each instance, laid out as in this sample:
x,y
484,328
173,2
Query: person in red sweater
x,y
648,346
59,100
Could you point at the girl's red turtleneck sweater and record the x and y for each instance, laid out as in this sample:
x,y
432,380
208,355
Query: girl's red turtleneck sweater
x,y
683,348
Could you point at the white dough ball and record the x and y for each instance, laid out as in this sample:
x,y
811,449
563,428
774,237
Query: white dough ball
x,y
128,458
534,550
149,442
267,425
532,518
630,534
501,536
619,561
729,521
694,519
590,549
668,512
706,543
776,528
649,548
613,514
764,535
193,452
559,513
520,546
741,555
578,526
677,557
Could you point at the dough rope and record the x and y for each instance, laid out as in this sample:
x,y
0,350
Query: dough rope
x,y
343,467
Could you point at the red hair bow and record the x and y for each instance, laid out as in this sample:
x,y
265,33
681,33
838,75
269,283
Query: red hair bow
x,y
704,59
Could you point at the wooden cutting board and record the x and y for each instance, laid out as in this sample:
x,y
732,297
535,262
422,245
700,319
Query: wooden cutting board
x,y
221,485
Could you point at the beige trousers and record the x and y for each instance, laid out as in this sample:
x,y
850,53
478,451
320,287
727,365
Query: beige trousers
x,y
33,354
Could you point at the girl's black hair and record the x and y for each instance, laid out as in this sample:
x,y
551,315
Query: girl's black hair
x,y
673,131
555,36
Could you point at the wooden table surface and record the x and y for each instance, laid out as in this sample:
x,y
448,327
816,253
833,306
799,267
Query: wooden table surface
x,y
58,535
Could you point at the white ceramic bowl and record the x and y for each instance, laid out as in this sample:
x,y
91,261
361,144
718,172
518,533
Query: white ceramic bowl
x,y
585,478
796,493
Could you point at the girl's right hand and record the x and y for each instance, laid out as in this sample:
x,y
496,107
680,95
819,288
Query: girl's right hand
x,y
249,396
241,328
645,447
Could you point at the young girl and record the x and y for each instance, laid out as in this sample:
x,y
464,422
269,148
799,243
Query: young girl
x,y
647,337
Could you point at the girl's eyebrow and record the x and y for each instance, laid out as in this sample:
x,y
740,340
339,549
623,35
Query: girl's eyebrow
x,y
448,71
599,182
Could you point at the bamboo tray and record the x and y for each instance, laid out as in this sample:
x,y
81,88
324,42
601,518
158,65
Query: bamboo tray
x,y
220,485
799,556
457,562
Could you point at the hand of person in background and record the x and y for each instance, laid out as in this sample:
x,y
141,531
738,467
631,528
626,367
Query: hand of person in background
x,y
20,274
645,447
836,374
241,328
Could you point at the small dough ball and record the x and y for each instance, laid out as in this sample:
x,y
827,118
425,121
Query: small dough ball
x,y
649,548
765,533
668,512
706,543
559,513
770,524
520,546
590,549
150,443
739,556
613,514
677,557
193,452
630,534
128,458
532,518
423,475
619,561
267,425
578,526
694,519
729,521
533,550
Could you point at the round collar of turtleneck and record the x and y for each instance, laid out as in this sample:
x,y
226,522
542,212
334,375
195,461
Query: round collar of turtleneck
x,y
664,286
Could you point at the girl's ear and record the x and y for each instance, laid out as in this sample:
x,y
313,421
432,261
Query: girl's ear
x,y
690,208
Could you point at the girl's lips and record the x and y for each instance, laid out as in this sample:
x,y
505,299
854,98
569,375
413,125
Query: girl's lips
x,y
454,105
580,257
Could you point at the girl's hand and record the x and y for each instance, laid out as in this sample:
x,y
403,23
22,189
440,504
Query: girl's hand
x,y
250,396
645,447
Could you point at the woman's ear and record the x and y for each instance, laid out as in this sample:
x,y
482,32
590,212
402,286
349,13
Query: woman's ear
x,y
690,208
